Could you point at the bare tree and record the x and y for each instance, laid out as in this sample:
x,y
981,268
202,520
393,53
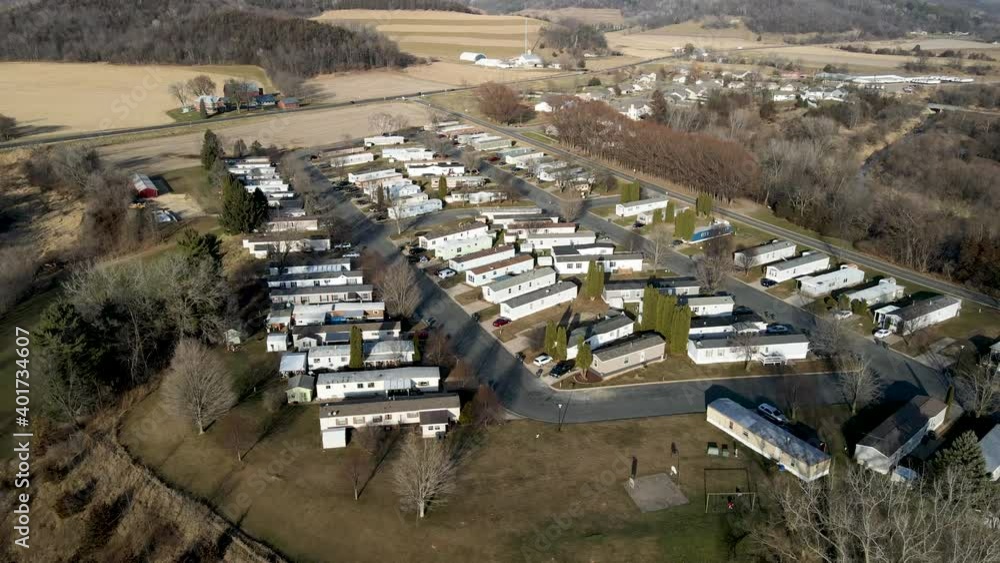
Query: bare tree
x,y
978,387
489,411
472,160
384,122
179,90
858,381
571,209
437,350
744,261
197,386
201,85
356,467
711,271
660,238
425,473
746,343
830,338
398,287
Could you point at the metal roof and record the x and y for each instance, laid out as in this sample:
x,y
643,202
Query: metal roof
x,y
774,435
530,275
539,294
408,404
626,347
895,431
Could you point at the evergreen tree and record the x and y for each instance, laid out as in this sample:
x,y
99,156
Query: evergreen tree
x,y
70,342
666,309
196,246
211,149
380,199
234,202
650,300
202,109
668,214
657,216
239,148
442,188
258,210
550,338
416,348
560,344
500,239
257,149
684,226
584,356
964,456
681,329
658,107
357,359
593,284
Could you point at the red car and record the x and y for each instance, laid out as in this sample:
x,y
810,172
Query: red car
x,y
501,322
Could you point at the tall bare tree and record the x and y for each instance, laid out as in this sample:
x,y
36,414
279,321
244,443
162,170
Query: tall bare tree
x,y
425,474
711,272
571,209
660,238
858,381
746,343
201,85
978,387
180,91
398,286
197,386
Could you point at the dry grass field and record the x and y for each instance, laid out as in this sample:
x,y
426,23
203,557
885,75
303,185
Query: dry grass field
x,y
596,16
933,44
307,129
73,97
660,41
445,34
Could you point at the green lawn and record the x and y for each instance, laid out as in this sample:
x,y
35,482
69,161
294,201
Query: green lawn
x,y
769,217
193,181
177,115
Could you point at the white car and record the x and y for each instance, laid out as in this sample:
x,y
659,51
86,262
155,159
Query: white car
x,y
542,359
772,413
882,333
841,315
446,273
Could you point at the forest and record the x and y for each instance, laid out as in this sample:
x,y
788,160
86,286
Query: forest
x,y
189,32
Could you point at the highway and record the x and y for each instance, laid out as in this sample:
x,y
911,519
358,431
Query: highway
x,y
843,254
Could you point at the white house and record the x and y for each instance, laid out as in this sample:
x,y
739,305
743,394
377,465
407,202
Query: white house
x,y
474,197
505,220
311,336
522,230
315,295
382,353
483,275
450,250
291,224
508,288
325,313
724,325
634,208
764,254
277,342
619,293
464,181
885,291
293,363
313,279
921,314
482,258
312,267
990,445
570,263
399,190
810,262
352,159
420,169
600,333
547,241
764,348
414,206
383,140
263,245
487,144
892,440
408,154
539,300
456,129
848,275
434,413
375,178
790,452
709,305
492,213
352,384
628,354
434,240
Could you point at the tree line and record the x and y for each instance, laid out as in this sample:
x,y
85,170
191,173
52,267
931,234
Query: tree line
x,y
195,33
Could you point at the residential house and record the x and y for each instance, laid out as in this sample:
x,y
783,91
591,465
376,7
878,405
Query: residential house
x,y
725,325
433,241
375,178
278,319
634,208
382,353
508,288
569,262
482,258
492,213
414,207
264,245
848,275
522,230
311,336
505,220
764,254
277,342
300,389
315,295
457,129
464,181
538,300
475,197
408,154
810,262
885,291
764,348
882,449
352,159
490,143
289,103
434,413
628,354
330,313
791,453
709,305
293,363
600,333
315,279
618,294
384,140
385,382
449,250
990,445
483,275
291,224
921,314
548,241
312,267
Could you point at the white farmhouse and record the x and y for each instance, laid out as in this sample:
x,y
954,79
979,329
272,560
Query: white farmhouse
x,y
343,385
764,348
848,275
764,254
521,284
642,206
539,300
810,262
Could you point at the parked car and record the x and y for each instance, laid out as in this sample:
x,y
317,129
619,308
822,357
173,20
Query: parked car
x,y
501,321
445,273
882,333
777,329
841,315
562,368
768,283
542,359
771,413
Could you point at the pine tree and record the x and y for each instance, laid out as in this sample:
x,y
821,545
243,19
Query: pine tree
x,y
257,149
196,247
584,356
550,338
964,456
211,149
668,215
202,109
657,216
416,348
681,329
650,301
593,284
684,226
234,202
257,211
560,344
666,310
442,188
357,359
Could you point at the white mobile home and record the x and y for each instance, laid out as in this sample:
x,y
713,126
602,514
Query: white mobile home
x,y
291,224
709,306
885,291
628,354
883,448
808,263
618,293
408,154
352,159
848,275
921,314
384,140
724,325
536,301
277,342
764,348
344,385
434,240
313,267
764,254
311,336
600,333
490,144
492,213
417,170
466,246
474,197
413,207
569,263
505,220
293,363
790,452
464,181
264,245
383,353
375,178
400,190
434,413
521,284
546,242
315,279
316,295
634,208
483,275
541,227
482,258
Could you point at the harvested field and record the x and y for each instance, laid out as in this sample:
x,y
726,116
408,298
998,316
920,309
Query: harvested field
x,y
816,56
607,16
661,41
934,44
305,129
71,97
444,34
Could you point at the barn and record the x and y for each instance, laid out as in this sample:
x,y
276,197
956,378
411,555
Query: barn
x,y
144,187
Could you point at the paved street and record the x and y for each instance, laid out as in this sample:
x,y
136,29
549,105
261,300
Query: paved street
x,y
523,394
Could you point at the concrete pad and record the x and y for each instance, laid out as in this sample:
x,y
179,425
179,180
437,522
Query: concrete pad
x,y
655,492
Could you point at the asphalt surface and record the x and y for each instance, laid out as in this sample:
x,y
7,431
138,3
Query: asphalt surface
x,y
524,394
842,254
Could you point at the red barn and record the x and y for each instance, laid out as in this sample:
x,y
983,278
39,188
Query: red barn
x,y
289,103
144,187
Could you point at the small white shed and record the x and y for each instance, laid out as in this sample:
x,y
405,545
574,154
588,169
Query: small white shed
x,y
335,438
